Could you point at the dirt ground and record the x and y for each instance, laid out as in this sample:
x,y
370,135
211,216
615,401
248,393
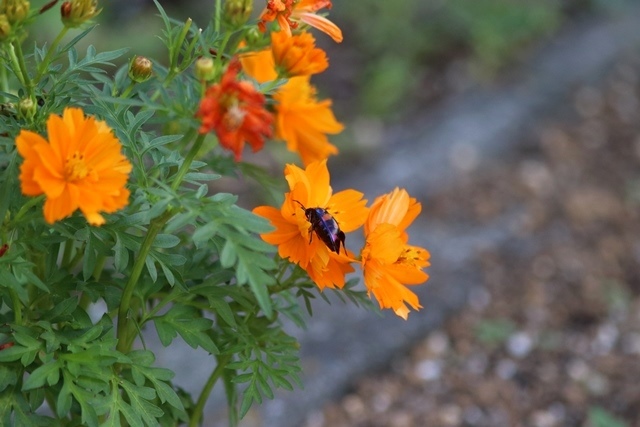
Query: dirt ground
x,y
552,335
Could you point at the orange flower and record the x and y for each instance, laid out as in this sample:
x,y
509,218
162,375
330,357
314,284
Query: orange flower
x,y
289,13
388,262
235,110
259,65
80,167
297,55
296,237
303,122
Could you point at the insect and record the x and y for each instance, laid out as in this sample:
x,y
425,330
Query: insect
x,y
325,227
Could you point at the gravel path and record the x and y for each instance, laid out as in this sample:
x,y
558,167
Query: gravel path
x,y
551,334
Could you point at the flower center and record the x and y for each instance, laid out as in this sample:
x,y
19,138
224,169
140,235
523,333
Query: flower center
x,y
412,256
234,117
75,168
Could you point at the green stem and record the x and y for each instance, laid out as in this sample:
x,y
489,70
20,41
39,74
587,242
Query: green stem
x,y
97,271
4,82
218,15
44,65
176,47
23,69
15,65
127,91
17,306
206,390
67,254
221,48
186,164
124,341
25,208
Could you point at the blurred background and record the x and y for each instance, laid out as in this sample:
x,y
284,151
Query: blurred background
x,y
517,125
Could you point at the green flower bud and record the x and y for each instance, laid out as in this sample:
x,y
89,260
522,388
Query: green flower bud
x,y
27,108
140,69
5,27
15,10
205,69
236,13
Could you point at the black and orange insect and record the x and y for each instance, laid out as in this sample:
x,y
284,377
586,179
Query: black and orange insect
x,y
325,226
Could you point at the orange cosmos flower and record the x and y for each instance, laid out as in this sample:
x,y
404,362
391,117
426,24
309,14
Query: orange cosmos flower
x,y
80,167
259,65
235,110
301,121
289,13
304,122
388,262
296,236
297,55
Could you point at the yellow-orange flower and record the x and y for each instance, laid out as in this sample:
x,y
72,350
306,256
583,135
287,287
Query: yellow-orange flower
x,y
294,234
289,13
389,263
297,55
259,65
80,167
236,111
300,120
304,122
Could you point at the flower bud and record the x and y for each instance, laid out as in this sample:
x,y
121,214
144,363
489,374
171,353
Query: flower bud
x,y
15,10
76,12
140,69
5,27
27,108
205,69
236,13
253,37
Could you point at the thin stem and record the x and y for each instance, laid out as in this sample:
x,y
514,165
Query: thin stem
x,y
15,65
217,16
28,205
128,90
222,47
44,65
186,164
4,82
124,341
178,44
17,306
68,253
23,68
206,390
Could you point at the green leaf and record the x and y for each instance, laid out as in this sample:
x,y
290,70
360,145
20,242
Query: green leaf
x,y
90,258
140,398
223,309
166,241
120,255
187,322
151,267
48,373
8,377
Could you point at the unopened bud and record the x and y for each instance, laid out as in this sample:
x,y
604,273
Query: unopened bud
x,y
15,10
5,27
76,12
237,12
140,69
27,108
253,37
205,69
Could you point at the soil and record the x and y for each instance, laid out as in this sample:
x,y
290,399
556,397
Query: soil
x,y
552,335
